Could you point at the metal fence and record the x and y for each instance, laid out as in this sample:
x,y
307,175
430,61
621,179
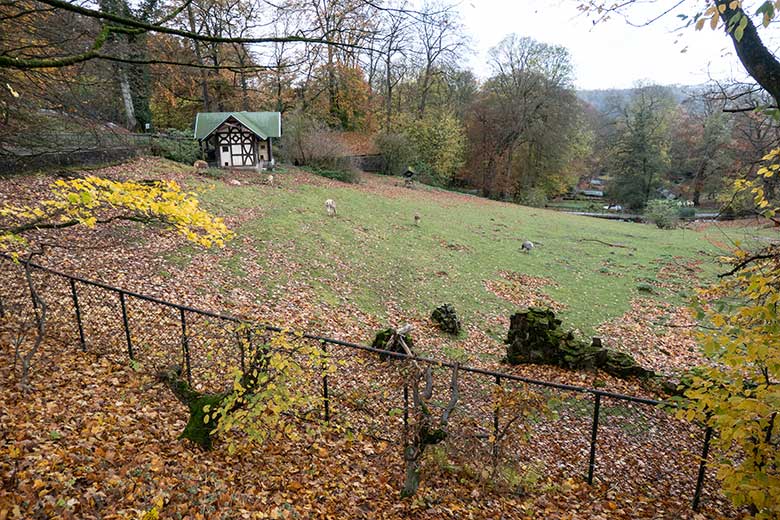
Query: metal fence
x,y
626,442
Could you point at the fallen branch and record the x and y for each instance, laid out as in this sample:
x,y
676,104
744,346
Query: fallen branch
x,y
606,243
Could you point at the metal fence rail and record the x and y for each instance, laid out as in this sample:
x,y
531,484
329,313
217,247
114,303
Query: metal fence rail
x,y
592,432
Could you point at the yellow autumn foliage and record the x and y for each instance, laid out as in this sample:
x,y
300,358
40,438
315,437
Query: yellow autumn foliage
x,y
739,394
91,200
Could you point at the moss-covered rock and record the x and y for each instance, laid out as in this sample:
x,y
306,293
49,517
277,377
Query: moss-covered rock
x,y
446,318
535,336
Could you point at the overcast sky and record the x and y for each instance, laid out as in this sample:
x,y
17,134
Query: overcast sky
x,y
610,55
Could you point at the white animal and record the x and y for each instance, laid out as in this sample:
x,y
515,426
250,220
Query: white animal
x,y
330,207
416,219
527,246
269,180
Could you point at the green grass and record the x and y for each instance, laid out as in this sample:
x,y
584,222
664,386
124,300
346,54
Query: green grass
x,y
579,205
374,246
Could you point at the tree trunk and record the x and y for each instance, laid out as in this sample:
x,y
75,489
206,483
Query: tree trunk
x,y
244,92
412,478
332,88
204,84
197,429
648,180
127,98
279,101
424,92
759,61
698,182
389,104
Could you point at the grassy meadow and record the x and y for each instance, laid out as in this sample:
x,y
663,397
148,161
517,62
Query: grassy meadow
x,y
372,255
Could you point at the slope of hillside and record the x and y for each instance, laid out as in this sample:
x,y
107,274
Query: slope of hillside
x,y
370,265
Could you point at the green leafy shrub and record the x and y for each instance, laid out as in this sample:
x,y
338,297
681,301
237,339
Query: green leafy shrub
x,y
438,144
686,212
535,197
179,147
397,151
662,213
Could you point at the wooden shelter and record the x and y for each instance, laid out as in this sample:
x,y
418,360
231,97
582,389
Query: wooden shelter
x,y
238,139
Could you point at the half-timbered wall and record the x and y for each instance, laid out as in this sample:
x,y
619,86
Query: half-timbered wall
x,y
236,146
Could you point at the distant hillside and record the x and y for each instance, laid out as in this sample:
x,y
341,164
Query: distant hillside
x,y
603,99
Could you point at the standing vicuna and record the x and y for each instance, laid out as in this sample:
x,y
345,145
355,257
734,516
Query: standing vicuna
x,y
330,207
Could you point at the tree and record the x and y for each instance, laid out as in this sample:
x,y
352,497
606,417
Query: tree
x,y
702,150
394,49
641,150
438,145
524,119
265,398
441,45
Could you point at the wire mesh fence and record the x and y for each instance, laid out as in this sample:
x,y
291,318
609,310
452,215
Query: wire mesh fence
x,y
502,424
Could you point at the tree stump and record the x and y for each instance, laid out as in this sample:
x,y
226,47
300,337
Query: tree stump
x,y
198,430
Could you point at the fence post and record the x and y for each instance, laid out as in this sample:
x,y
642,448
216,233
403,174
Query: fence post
x,y
495,425
185,346
126,325
240,350
406,408
325,396
248,344
702,468
78,313
594,433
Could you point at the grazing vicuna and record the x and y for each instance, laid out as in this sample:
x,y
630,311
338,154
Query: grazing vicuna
x,y
330,207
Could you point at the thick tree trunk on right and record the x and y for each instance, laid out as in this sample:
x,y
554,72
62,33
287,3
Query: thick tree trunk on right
x,y
759,61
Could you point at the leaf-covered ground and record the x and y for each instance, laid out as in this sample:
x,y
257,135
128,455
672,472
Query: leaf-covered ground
x,y
97,440
102,435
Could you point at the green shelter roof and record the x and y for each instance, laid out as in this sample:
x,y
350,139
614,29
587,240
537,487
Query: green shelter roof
x,y
262,124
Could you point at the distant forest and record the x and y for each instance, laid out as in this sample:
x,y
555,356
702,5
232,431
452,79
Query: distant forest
x,y
391,73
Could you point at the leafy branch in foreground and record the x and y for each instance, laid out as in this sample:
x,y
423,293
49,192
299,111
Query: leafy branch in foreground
x,y
265,399
90,201
739,394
